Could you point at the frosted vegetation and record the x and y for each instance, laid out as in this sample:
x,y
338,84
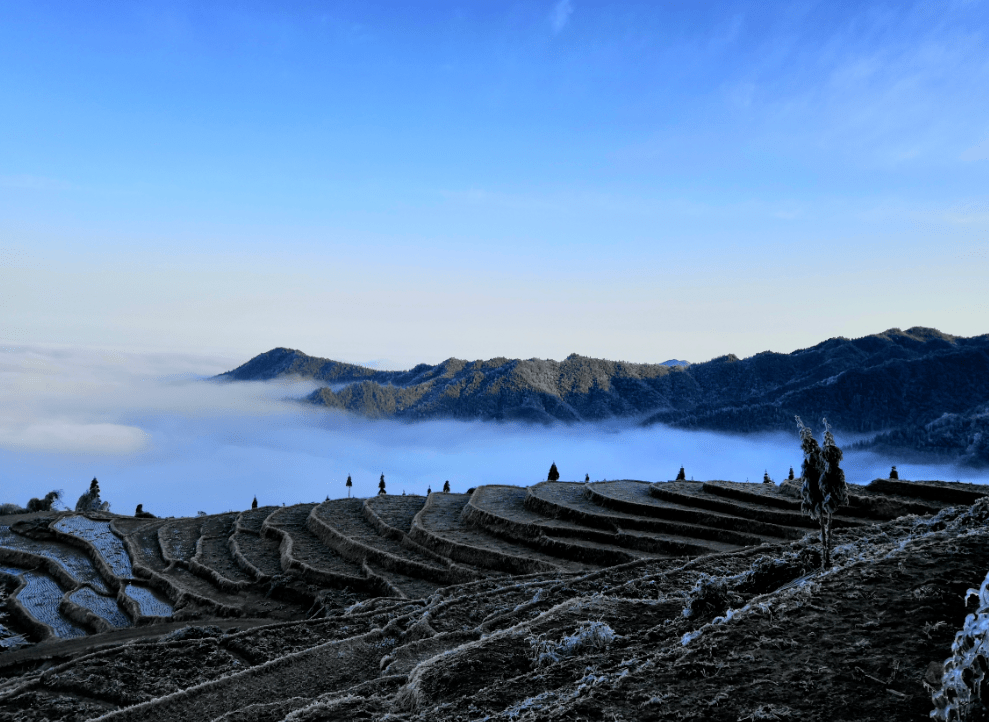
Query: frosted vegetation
x,y
590,635
40,597
98,533
960,695
10,639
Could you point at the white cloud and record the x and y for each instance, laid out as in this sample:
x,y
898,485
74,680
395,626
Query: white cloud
x,y
560,15
156,434
75,437
976,152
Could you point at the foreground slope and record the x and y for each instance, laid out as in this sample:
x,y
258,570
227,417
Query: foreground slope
x,y
398,607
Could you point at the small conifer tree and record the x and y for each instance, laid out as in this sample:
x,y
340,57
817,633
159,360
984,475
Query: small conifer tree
x,y
446,486
350,483
893,474
824,488
587,478
254,504
381,485
682,476
791,474
90,499
554,475
765,477
429,490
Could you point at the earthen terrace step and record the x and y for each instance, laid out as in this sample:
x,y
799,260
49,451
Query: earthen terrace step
x,y
213,559
343,525
634,497
568,500
305,555
694,493
500,510
951,492
440,527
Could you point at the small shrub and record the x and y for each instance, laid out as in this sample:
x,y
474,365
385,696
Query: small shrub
x,y
46,503
710,597
590,635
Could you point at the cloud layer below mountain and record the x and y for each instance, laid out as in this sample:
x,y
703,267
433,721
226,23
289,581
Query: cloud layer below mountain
x,y
154,431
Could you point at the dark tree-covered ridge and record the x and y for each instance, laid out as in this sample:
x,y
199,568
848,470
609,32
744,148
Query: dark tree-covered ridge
x,y
919,389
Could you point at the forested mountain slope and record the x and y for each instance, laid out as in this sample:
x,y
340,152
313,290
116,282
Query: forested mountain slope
x,y
919,389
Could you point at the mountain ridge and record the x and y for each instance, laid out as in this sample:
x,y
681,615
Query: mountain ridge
x,y
918,389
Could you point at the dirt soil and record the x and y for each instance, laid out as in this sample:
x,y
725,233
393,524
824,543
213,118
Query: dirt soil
x,y
644,641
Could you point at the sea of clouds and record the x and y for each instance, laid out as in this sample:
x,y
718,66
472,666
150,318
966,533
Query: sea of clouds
x,y
156,430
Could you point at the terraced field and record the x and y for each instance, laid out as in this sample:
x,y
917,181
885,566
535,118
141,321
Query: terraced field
x,y
335,576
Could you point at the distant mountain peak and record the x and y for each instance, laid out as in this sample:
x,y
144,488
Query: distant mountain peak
x,y
890,386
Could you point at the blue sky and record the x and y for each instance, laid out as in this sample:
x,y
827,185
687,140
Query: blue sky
x,y
405,182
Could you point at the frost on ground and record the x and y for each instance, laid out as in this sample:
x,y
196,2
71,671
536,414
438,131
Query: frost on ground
x,y
757,634
76,564
150,604
40,597
98,533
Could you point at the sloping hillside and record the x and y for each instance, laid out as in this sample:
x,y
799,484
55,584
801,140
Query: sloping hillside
x,y
618,600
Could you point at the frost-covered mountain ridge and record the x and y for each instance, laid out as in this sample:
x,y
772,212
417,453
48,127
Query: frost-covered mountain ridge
x,y
916,389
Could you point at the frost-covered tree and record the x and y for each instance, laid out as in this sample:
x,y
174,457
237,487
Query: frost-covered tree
x,y
46,503
893,473
682,476
554,475
350,483
824,488
381,485
90,499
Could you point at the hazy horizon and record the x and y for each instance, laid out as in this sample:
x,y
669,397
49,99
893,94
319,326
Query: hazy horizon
x,y
633,180
154,431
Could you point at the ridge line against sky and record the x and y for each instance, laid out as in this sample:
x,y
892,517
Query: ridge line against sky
x,y
632,180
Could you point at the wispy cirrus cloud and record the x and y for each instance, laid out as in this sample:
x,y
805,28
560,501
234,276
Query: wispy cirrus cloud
x,y
980,151
560,15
